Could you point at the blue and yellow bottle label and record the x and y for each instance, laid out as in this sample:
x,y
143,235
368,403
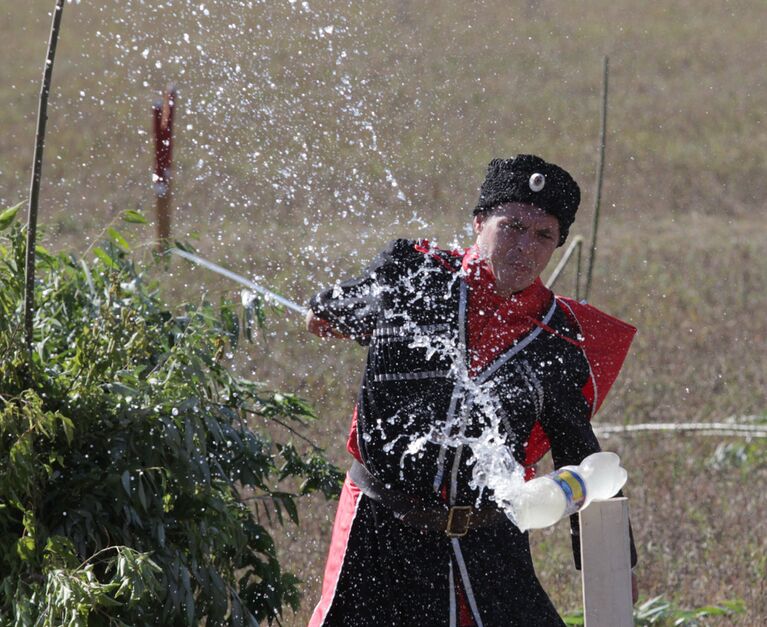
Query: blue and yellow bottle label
x,y
573,487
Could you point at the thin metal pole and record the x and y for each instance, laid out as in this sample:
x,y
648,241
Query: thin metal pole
x,y
578,266
34,192
255,287
600,175
575,245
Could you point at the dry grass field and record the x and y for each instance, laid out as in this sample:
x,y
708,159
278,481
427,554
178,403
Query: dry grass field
x,y
309,134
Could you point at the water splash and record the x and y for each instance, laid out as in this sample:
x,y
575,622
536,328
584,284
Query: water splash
x,y
494,468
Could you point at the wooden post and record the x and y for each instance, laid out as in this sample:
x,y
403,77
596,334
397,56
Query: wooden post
x,y
606,564
163,136
37,174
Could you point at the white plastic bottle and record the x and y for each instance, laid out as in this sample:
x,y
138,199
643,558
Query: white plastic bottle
x,y
545,500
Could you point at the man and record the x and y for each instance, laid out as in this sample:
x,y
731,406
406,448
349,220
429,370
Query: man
x,y
469,353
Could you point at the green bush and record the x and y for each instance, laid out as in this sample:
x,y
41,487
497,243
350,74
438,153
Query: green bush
x,y
747,455
658,611
131,481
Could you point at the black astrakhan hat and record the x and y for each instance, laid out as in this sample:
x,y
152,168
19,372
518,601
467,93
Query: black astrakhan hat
x,y
531,180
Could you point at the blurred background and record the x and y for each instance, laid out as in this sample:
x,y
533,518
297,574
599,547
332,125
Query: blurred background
x,y
309,133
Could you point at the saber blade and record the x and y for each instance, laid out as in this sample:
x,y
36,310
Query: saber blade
x,y
268,294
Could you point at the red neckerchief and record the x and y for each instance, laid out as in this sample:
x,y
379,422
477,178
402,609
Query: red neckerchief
x,y
496,322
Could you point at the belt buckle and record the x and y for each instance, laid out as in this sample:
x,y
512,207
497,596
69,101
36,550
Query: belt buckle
x,y
458,518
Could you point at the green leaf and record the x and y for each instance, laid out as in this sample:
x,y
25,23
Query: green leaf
x,y
123,390
736,606
25,547
284,499
118,239
133,217
69,428
105,258
7,216
185,246
142,495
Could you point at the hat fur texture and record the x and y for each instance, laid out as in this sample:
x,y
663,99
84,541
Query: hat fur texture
x,y
519,180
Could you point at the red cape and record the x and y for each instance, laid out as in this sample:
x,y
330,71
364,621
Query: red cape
x,y
605,341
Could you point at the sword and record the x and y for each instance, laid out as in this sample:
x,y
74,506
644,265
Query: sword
x,y
268,294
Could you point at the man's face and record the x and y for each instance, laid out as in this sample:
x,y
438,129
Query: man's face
x,y
517,240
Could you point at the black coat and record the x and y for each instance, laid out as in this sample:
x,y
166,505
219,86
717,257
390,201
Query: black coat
x,y
411,308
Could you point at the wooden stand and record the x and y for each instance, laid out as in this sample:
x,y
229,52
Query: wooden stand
x,y
606,564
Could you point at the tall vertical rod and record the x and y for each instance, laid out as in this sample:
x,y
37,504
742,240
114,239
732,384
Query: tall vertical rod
x,y
34,192
578,266
600,176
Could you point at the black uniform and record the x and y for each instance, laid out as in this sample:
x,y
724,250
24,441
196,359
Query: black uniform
x,y
418,411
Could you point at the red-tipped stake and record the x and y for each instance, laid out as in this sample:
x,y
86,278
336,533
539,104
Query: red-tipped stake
x,y
163,148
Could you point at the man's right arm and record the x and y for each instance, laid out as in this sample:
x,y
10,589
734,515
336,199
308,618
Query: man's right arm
x,y
349,309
